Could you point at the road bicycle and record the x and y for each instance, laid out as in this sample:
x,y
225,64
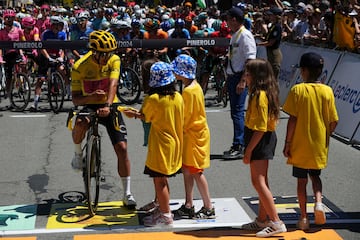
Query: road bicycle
x,y
56,87
216,78
92,155
129,86
20,89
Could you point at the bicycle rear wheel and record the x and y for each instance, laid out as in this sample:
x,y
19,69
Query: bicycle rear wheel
x,y
129,87
20,91
91,173
221,87
56,91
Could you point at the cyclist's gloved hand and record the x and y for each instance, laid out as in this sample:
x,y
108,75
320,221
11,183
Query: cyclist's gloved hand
x,y
60,59
51,59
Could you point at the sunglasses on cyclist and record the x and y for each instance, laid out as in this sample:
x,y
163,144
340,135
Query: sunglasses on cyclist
x,y
106,55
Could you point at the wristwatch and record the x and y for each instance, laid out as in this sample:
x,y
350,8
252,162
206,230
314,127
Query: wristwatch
x,y
107,104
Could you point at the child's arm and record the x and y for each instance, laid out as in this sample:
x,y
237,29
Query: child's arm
x,y
333,126
289,135
133,113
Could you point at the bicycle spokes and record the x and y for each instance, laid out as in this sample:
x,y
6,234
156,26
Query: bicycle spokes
x,y
20,91
129,87
56,91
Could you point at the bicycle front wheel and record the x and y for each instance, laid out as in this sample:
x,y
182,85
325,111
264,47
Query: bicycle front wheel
x,y
129,87
20,91
56,91
91,173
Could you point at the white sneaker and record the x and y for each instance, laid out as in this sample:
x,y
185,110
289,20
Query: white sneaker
x,y
77,162
272,229
319,212
129,201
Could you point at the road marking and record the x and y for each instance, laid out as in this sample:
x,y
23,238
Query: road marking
x,y
44,231
216,110
28,116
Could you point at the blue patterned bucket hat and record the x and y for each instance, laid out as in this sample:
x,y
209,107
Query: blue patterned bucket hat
x,y
161,74
185,66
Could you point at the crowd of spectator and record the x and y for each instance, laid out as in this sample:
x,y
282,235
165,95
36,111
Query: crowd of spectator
x,y
308,22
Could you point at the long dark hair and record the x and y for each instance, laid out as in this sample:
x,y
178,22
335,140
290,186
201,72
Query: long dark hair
x,y
263,79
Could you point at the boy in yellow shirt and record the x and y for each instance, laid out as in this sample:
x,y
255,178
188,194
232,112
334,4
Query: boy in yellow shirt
x,y
313,118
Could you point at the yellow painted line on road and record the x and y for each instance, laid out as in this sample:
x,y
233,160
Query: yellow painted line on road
x,y
212,234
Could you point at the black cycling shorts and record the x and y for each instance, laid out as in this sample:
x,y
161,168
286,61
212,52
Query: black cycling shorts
x,y
115,135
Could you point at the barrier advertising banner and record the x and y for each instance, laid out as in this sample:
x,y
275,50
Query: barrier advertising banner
x,y
346,85
288,72
331,58
290,75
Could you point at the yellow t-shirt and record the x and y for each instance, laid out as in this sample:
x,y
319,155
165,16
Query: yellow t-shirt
x,y
196,131
88,76
313,105
257,117
166,115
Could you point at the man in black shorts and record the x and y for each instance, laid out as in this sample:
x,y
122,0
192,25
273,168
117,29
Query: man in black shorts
x,y
94,84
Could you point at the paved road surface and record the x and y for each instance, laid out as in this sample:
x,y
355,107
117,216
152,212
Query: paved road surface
x,y
36,151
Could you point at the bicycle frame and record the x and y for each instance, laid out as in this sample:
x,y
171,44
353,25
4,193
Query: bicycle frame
x,y
92,160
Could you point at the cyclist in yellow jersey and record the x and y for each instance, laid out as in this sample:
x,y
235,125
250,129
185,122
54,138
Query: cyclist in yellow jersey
x,y
94,84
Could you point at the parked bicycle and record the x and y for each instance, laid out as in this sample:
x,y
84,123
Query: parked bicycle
x,y
92,152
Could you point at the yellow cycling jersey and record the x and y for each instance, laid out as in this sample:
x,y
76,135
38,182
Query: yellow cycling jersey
x,y
87,76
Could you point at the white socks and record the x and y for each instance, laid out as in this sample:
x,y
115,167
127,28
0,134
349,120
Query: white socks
x,y
126,185
78,149
36,100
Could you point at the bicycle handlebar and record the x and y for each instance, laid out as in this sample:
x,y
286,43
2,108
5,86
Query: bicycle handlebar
x,y
114,108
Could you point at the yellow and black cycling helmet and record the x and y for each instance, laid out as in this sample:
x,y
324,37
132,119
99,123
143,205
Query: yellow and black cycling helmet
x,y
102,41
